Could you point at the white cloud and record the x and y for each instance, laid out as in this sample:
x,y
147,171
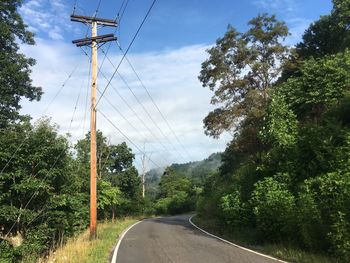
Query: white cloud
x,y
285,5
171,78
49,18
297,27
289,9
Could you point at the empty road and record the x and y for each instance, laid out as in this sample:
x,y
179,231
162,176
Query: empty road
x,y
174,239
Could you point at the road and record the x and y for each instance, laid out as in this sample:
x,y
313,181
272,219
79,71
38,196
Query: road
x,y
174,239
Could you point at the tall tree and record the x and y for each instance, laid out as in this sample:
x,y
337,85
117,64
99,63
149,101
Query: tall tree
x,y
15,81
241,70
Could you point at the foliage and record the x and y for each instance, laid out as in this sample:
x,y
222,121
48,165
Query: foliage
x,y
231,207
280,127
321,83
329,35
273,207
15,82
241,70
176,193
196,171
285,175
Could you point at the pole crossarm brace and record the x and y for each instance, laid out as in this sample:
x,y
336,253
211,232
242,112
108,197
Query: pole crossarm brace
x,y
91,19
97,39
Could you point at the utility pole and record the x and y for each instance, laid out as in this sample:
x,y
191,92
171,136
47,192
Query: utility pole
x,y
143,158
93,42
143,175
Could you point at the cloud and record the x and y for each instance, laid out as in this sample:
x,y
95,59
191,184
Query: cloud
x,y
285,5
288,9
297,27
171,78
46,18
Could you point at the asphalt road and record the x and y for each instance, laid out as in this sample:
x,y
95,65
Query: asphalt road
x,y
174,239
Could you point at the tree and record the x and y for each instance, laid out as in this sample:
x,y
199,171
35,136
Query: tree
x,y
40,200
175,193
323,37
114,165
327,36
241,70
320,84
15,81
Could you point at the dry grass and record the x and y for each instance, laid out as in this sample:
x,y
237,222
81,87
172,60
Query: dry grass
x,y
80,249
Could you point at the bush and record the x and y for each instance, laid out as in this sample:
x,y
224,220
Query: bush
x,y
310,224
340,236
274,209
331,194
162,205
230,206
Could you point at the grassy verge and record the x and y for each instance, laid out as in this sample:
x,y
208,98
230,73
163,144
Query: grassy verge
x,y
281,251
80,249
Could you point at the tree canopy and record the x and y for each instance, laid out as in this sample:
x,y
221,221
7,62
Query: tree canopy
x,y
15,68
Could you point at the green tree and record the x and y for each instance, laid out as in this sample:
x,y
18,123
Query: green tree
x,y
15,82
321,83
109,198
273,207
241,70
39,199
176,193
329,35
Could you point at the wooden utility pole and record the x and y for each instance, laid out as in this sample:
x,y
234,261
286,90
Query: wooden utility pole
x,y
143,175
143,158
93,42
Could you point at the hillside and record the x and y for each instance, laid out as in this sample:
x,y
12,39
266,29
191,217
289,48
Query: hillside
x,y
196,171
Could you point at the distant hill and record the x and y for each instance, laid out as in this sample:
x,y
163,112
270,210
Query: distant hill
x,y
196,171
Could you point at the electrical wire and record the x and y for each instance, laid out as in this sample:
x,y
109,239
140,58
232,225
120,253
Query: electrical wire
x,y
127,50
125,136
131,108
146,111
51,167
74,6
46,109
154,103
97,9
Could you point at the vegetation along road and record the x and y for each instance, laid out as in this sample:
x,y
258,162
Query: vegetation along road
x,y
174,239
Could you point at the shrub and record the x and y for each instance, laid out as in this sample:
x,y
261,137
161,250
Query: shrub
x,y
274,209
230,206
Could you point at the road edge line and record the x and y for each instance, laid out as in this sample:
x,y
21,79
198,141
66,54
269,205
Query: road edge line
x,y
233,244
115,253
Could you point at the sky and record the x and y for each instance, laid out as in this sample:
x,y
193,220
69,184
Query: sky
x,y
167,56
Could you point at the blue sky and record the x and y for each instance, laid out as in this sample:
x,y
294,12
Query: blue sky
x,y
177,23
167,55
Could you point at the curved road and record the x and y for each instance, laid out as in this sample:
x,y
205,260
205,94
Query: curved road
x,y
174,239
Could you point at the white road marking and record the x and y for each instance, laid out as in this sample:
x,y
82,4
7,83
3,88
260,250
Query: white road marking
x,y
233,244
115,253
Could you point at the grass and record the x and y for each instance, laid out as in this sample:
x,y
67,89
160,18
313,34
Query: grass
x,y
247,239
80,249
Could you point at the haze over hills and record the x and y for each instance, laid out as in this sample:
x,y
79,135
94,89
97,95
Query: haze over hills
x,y
196,171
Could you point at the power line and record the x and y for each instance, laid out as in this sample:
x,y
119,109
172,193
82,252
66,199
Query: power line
x,y
144,108
74,6
97,9
122,13
87,93
47,107
153,102
115,30
131,108
113,106
127,50
55,162
125,136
